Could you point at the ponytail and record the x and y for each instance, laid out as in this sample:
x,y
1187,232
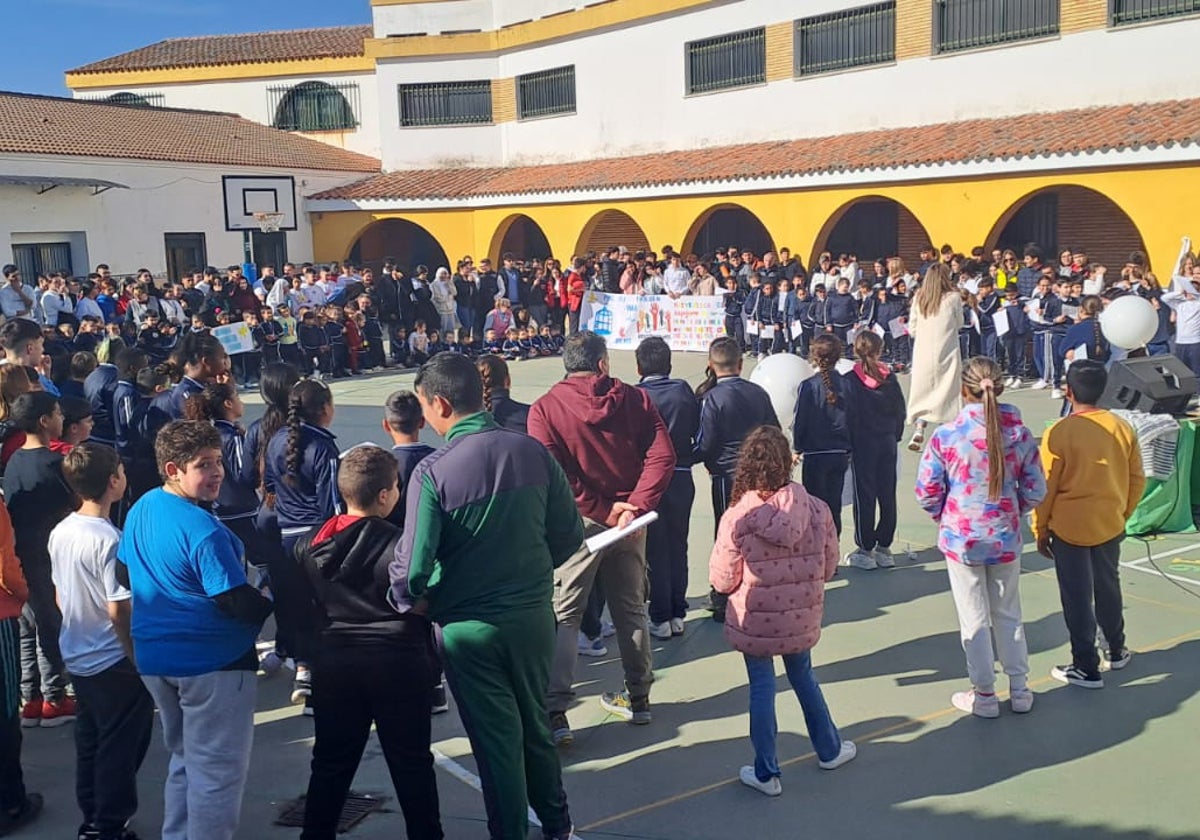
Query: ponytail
x,y
983,379
710,382
723,354
867,346
209,404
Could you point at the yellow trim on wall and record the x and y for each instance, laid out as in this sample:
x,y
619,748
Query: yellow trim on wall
x,y
781,51
504,100
1082,15
221,72
914,29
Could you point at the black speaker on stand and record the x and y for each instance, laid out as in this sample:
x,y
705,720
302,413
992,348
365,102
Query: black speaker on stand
x,y
1154,384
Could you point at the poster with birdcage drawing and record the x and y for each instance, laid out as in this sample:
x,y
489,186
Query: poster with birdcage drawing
x,y
687,323
613,316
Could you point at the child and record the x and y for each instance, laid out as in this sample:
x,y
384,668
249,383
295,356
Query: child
x,y
99,388
875,412
115,712
491,344
399,347
314,345
77,424
1017,336
821,437
271,331
1184,300
199,325
355,344
986,306
436,345
841,313
37,500
511,349
418,345
528,351
372,333
545,342
195,619
776,543
372,664
335,339
250,362
979,475
1094,482
403,421
1087,334
81,366
735,300
289,341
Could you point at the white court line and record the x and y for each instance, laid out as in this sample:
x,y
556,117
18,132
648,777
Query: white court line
x,y
471,780
1139,565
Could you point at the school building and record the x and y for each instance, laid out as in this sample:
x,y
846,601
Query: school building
x,y
557,127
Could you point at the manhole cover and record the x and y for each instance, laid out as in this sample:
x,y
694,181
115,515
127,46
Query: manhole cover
x,y
356,809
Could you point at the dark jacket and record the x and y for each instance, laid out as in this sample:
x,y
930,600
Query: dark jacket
x,y
98,389
311,497
680,410
730,411
819,425
610,441
168,405
238,497
841,311
875,410
508,413
407,455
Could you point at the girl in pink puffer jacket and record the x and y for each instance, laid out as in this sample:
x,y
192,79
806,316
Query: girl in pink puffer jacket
x,y
776,547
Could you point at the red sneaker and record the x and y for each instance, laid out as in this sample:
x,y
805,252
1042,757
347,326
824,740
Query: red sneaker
x,y
31,713
56,714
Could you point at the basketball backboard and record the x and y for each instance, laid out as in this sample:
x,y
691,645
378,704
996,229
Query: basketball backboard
x,y
246,195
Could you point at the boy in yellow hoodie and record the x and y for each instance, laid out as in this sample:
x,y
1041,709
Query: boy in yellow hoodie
x,y
1094,481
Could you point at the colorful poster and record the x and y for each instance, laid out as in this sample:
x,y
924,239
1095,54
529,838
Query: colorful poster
x,y
235,338
687,323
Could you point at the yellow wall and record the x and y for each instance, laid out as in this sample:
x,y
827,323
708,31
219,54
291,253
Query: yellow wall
x,y
962,213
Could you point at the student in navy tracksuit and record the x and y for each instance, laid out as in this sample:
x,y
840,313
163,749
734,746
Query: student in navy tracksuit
x,y
988,302
735,299
802,314
819,432
841,311
885,308
197,360
730,409
766,316
875,413
1017,336
98,389
749,308
667,539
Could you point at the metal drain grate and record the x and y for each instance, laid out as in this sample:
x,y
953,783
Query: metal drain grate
x,y
356,809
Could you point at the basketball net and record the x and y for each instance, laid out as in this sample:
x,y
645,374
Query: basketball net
x,y
268,222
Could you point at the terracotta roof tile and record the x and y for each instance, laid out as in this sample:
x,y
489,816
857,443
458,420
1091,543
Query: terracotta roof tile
x,y
54,126
251,47
1064,132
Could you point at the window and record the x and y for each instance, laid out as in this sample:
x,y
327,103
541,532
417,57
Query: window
x,y
545,93
1139,11
186,252
967,24
446,103
133,100
42,258
727,61
849,38
314,106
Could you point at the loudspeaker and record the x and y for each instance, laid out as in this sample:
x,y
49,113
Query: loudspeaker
x,y
1155,384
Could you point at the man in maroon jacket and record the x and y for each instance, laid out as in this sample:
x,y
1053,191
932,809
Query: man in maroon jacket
x,y
617,454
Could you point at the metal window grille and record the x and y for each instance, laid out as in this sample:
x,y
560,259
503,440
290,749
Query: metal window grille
x,y
314,106
1138,11
849,38
134,100
546,92
727,61
41,258
967,24
446,103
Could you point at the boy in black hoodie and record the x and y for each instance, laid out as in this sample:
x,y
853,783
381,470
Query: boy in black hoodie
x,y
371,663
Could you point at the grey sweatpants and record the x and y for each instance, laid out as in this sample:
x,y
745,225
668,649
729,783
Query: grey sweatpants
x,y
208,728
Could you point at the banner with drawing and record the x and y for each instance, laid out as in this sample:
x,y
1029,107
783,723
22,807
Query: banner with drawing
x,y
686,323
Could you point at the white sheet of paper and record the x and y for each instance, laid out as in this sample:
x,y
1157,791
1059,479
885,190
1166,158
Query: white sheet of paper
x,y
878,330
751,328
898,327
1000,319
1072,312
1080,353
606,538
975,322
767,331
797,329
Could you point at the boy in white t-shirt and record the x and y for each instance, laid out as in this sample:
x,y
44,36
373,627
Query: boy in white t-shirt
x,y
115,712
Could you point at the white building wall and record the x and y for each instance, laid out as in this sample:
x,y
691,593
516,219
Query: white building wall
x,y
250,99
437,16
125,227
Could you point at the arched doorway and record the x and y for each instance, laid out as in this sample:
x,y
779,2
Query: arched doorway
x,y
522,237
726,226
872,227
406,242
1069,216
610,228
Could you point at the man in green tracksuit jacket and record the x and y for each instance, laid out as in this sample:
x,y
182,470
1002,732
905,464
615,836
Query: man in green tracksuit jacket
x,y
489,517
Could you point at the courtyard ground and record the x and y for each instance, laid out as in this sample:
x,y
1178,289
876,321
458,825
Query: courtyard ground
x,y
1104,765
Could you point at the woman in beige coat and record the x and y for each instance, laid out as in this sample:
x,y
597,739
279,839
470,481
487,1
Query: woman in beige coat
x,y
936,318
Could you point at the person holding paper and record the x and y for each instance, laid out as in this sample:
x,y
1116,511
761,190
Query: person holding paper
x,y
490,515
618,456
1016,334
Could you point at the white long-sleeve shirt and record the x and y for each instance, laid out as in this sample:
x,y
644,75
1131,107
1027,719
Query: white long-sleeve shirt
x,y
1187,315
13,306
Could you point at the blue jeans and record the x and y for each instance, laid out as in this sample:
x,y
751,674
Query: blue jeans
x,y
821,731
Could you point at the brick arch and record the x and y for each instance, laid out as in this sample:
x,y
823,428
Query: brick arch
x,y
872,226
522,236
727,224
608,228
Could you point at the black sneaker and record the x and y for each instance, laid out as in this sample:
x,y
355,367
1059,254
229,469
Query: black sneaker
x,y
1074,675
440,705
26,813
560,729
1118,659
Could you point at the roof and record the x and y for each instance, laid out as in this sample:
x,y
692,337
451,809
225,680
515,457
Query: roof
x,y
1065,132
246,48
47,125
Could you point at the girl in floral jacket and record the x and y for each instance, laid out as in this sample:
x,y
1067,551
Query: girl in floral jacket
x,y
979,475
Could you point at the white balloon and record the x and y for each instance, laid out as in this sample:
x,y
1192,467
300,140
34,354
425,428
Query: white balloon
x,y
780,376
1129,322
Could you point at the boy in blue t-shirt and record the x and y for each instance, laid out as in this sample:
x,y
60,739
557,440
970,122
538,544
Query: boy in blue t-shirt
x,y
195,621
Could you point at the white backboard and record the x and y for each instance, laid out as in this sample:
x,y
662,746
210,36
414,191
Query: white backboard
x,y
246,195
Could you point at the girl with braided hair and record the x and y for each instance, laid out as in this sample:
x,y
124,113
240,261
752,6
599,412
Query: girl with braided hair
x,y
979,476
508,413
820,434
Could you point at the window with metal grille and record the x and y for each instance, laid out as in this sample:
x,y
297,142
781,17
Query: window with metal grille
x,y
314,106
727,61
133,100
1121,12
446,103
546,92
42,258
849,38
967,24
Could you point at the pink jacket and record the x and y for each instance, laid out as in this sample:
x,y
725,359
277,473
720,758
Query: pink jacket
x,y
772,558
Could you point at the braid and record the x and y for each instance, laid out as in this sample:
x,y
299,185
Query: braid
x,y
494,373
825,352
294,452
1098,336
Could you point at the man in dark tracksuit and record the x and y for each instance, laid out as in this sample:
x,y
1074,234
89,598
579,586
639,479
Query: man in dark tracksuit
x,y
667,539
494,516
730,408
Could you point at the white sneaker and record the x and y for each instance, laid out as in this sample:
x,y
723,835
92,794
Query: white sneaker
x,y
847,754
1056,394
883,557
771,787
860,560
1021,700
1013,383
590,647
661,630
980,705
270,664
607,630
676,626
1040,385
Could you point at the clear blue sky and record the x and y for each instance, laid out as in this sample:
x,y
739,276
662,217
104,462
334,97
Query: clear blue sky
x,y
57,35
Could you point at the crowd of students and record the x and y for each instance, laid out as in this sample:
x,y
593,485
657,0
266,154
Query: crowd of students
x,y
356,553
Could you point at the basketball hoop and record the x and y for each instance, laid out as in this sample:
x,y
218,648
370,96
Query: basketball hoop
x,y
268,222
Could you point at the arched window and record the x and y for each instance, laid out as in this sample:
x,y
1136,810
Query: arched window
x,y
135,100
314,106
